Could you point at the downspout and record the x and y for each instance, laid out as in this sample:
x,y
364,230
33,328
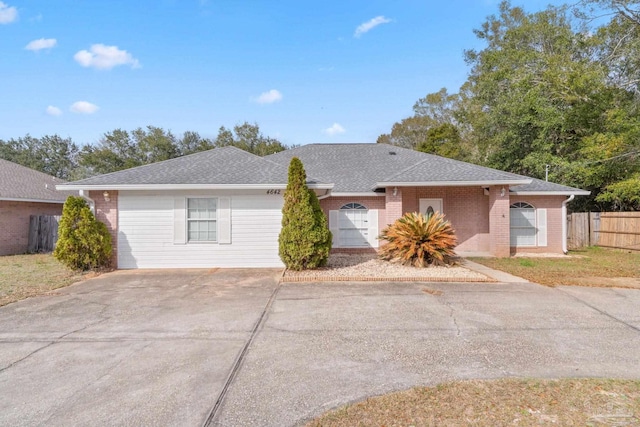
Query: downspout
x,y
325,195
564,223
92,204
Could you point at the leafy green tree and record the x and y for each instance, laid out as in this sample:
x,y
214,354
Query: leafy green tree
x,y
115,151
305,240
248,137
435,116
622,195
83,242
154,144
50,154
443,140
192,142
536,91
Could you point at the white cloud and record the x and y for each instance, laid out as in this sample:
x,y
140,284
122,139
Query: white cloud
x,y
370,25
39,44
105,57
269,97
335,129
54,111
83,107
8,13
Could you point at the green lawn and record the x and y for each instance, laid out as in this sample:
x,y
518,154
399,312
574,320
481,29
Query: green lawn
x,y
506,402
23,276
586,267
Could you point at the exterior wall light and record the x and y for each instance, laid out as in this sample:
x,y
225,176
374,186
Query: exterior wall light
x,y
395,191
106,196
502,192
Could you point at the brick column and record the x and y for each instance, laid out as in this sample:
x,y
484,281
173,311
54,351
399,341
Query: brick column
x,y
107,212
393,204
499,232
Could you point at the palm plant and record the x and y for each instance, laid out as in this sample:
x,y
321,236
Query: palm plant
x,y
419,240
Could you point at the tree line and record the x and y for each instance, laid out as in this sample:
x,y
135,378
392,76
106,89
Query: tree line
x,y
121,149
555,90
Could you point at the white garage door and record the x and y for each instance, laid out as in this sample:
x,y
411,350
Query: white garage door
x,y
167,230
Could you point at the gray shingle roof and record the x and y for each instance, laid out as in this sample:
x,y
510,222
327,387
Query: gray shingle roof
x,y
21,183
356,168
222,166
435,168
537,185
352,168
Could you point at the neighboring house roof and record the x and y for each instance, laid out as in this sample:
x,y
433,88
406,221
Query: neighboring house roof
x,y
538,187
361,168
19,183
227,167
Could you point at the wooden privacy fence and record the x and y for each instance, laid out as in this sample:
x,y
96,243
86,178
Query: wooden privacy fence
x,y
618,230
43,233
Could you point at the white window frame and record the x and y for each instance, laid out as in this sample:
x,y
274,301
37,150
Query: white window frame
x,y
523,206
189,221
354,206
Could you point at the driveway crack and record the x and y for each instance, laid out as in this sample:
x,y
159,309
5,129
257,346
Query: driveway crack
x,y
27,356
453,318
50,343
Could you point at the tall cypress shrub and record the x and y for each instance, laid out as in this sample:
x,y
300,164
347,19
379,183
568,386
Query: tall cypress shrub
x,y
83,241
305,239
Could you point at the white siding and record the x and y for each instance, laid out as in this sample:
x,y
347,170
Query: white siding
x,y
146,232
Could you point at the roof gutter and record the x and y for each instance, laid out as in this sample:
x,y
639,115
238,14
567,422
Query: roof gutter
x,y
453,183
564,222
15,199
81,187
550,193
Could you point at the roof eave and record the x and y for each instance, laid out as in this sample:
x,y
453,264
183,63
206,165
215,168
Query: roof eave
x,y
551,193
356,194
16,199
454,183
278,186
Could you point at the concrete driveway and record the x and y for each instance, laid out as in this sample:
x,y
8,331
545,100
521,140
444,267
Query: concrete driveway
x,y
158,348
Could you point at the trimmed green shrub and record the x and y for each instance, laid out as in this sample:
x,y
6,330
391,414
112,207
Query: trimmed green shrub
x,y
83,242
323,236
305,239
419,240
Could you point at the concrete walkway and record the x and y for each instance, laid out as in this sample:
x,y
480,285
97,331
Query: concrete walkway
x,y
193,348
498,275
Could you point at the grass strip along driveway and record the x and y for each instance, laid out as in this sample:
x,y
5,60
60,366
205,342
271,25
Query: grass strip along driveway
x,y
512,402
23,276
592,266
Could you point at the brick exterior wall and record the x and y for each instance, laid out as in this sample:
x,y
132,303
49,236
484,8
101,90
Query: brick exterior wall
x,y
14,223
395,208
472,214
467,208
553,205
499,221
107,212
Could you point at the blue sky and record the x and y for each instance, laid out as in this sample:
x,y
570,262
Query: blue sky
x,y
304,71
